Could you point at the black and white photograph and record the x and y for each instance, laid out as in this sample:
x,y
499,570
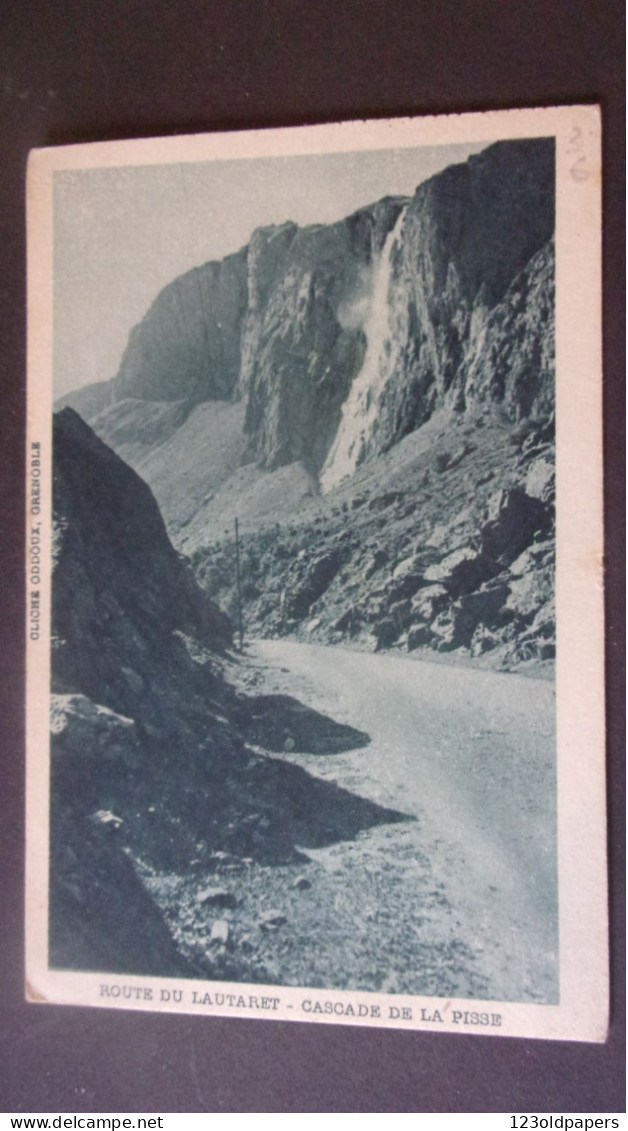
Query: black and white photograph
x,y
314,526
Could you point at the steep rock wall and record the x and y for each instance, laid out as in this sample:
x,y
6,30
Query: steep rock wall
x,y
116,639
469,233
289,324
470,299
187,346
303,339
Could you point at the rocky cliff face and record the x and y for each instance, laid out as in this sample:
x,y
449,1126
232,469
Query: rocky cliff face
x,y
151,776
470,251
188,346
114,564
304,336
277,324
293,322
477,239
276,384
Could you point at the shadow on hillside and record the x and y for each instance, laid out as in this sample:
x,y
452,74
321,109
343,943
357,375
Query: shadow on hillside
x,y
301,808
282,724
310,812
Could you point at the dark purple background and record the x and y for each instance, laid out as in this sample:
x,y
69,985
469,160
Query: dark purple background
x,y
89,70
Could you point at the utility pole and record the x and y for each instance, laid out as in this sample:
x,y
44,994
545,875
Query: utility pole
x,y
238,585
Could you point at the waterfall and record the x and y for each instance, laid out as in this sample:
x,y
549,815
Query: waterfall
x,y
360,409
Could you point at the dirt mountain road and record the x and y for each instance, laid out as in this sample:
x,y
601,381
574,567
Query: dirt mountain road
x,y
470,755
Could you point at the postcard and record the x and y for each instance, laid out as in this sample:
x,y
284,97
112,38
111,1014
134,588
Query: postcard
x,y
315,683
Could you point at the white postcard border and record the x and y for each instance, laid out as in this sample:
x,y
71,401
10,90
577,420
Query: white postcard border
x,y
582,1013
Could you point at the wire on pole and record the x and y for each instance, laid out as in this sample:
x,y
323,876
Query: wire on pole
x,y
238,586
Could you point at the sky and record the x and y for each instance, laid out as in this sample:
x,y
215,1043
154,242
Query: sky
x,y
122,234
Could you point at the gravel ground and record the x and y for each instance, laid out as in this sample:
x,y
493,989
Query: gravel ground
x,y
460,900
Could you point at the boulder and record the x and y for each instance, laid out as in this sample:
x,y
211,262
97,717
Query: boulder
x,y
316,579
483,640
443,631
419,637
401,613
540,555
220,932
514,520
86,730
376,605
378,559
430,601
405,587
462,571
529,592
438,535
101,917
486,606
385,632
456,626
107,819
272,919
541,480
380,502
538,642
217,897
302,883
349,621
404,567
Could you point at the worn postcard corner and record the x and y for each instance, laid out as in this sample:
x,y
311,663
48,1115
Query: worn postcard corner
x,y
31,994
315,703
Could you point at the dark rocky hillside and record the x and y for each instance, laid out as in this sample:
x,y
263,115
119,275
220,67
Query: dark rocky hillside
x,y
406,557
115,635
151,772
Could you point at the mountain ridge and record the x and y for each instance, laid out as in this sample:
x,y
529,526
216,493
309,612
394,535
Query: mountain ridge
x,y
281,323
323,352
